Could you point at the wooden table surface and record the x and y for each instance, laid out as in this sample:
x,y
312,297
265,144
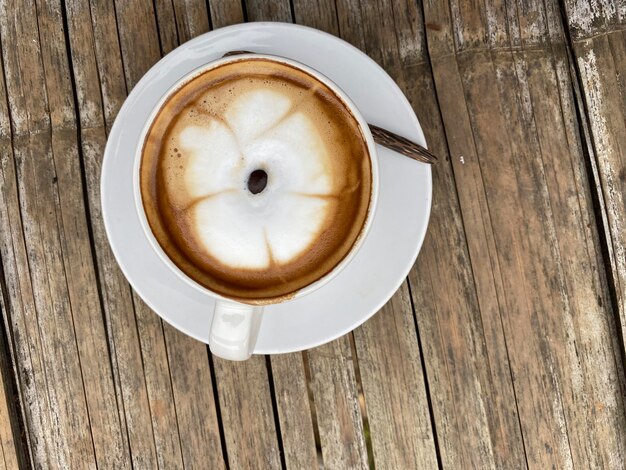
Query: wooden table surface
x,y
503,349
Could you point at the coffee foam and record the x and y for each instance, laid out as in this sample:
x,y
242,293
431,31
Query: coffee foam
x,y
207,140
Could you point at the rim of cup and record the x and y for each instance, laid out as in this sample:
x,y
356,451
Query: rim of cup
x,y
365,132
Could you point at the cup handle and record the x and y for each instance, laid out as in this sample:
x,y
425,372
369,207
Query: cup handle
x,y
234,329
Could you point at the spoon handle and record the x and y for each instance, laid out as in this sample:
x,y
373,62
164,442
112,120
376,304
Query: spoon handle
x,y
387,138
401,145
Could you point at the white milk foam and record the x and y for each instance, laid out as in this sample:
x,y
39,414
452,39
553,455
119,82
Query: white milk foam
x,y
260,128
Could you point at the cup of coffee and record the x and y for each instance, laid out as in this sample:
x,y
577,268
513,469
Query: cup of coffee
x,y
256,181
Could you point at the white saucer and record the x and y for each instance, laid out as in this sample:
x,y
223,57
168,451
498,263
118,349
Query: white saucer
x,y
390,249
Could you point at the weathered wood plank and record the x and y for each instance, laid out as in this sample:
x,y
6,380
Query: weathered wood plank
x,y
138,38
109,443
166,24
397,44
264,10
442,286
192,19
192,385
518,244
393,385
156,371
294,410
147,384
106,429
503,417
14,299
317,14
595,408
81,400
225,12
350,23
8,441
247,415
109,58
25,336
104,424
509,115
125,347
69,437
195,406
180,21
586,19
337,405
498,411
12,443
598,32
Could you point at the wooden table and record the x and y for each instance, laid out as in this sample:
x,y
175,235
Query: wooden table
x,y
503,349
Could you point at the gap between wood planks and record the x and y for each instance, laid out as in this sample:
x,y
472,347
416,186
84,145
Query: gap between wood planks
x,y
593,175
18,451
86,205
270,377
218,408
431,412
428,397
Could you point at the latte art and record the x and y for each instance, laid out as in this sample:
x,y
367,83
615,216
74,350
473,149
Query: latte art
x,y
255,179
221,152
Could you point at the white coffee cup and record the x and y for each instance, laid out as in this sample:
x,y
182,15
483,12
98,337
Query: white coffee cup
x,y
235,325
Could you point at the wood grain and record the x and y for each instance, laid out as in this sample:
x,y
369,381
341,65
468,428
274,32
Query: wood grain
x,y
67,314
520,172
294,411
598,33
24,334
505,348
226,12
166,25
394,389
458,398
156,371
92,56
192,19
317,14
14,452
196,411
12,253
247,413
268,10
462,324
390,446
138,38
9,440
337,407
